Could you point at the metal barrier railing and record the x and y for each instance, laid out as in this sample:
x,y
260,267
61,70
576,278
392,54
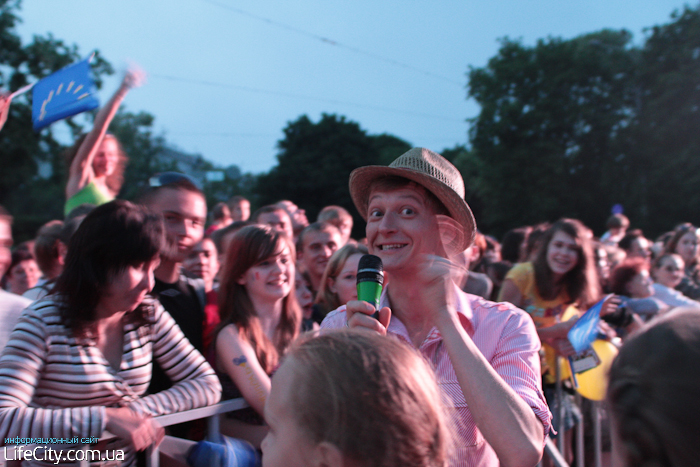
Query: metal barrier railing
x,y
555,451
211,413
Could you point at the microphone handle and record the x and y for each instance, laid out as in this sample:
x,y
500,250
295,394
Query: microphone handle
x,y
370,291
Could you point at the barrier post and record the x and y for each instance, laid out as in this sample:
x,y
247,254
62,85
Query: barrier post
x,y
597,445
580,455
560,404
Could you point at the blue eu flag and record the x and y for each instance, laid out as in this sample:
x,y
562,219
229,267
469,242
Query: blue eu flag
x,y
65,93
585,331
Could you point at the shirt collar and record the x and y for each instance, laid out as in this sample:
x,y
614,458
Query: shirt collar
x,y
464,312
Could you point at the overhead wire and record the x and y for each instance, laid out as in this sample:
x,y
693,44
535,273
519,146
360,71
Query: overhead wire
x,y
301,96
334,43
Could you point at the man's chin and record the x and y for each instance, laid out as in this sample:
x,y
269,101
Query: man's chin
x,y
174,256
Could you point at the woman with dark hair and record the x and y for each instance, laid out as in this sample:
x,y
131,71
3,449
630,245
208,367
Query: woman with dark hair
x,y
653,393
550,289
630,279
79,361
23,273
668,272
684,243
260,317
96,161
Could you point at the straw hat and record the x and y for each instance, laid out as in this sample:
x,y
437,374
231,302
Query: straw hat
x,y
428,169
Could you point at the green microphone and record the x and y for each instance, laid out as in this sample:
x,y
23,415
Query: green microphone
x,y
370,278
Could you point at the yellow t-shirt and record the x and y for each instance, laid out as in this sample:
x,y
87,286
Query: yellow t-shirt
x,y
543,312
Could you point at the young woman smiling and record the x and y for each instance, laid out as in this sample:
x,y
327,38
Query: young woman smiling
x,y
562,274
561,279
260,317
668,273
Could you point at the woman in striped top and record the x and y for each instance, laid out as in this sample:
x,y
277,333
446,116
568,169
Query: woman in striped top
x,y
79,362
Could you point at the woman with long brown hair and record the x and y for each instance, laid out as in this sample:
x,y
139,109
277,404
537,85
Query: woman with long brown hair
x,y
260,317
562,274
96,161
561,279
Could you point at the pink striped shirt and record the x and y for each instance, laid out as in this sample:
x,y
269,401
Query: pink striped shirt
x,y
506,336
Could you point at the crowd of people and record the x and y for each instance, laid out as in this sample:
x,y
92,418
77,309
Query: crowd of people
x,y
124,310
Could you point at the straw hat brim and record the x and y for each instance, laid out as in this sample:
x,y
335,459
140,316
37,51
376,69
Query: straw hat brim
x,y
361,180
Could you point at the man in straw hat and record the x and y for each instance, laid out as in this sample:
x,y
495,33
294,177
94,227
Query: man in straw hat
x,y
485,354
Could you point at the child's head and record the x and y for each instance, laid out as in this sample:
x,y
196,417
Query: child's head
x,y
355,398
653,393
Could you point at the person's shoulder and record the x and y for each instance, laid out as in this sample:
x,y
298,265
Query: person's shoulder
x,y
9,300
198,286
478,284
153,309
521,269
194,282
502,315
43,313
335,319
522,274
230,336
491,308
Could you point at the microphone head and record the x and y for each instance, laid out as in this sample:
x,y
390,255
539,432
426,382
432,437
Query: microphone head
x,y
370,268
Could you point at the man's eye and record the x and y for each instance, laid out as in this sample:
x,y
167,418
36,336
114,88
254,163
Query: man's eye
x,y
407,211
375,213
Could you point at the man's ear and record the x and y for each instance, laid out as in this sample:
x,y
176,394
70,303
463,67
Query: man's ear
x,y
62,251
300,255
327,455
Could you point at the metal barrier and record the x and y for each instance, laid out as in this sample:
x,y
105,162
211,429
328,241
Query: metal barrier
x,y
210,412
555,451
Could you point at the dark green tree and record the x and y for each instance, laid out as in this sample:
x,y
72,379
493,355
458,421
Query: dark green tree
x,y
465,160
666,140
545,143
315,161
32,198
135,134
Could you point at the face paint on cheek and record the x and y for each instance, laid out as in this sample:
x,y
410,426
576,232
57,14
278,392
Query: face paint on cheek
x,y
257,276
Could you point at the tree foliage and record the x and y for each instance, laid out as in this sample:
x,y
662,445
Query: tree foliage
x,y
666,138
547,138
571,127
32,198
315,161
33,175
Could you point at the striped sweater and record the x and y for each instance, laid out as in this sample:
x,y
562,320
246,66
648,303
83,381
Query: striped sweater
x,y
54,385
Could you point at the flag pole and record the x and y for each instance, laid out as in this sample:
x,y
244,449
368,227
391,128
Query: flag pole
x,y
22,90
